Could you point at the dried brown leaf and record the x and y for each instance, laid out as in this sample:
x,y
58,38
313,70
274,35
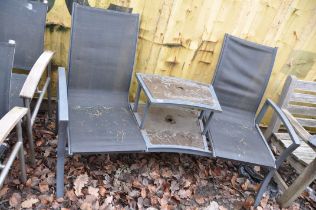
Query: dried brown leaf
x,y
185,193
29,202
102,191
213,206
143,193
46,199
93,191
217,171
264,201
4,191
79,183
166,173
233,180
200,200
43,187
15,200
71,195
245,185
86,206
249,202
137,184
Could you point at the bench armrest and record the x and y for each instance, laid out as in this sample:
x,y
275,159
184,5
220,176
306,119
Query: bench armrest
x,y
62,96
35,75
287,124
9,121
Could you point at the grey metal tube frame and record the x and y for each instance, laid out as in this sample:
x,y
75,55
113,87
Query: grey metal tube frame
x,y
285,154
31,116
17,150
63,119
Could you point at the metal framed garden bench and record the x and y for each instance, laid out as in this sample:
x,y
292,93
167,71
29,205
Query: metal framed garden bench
x,y
297,102
241,77
23,22
9,118
94,115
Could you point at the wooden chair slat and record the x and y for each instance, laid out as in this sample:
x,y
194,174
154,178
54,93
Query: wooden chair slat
x,y
306,85
302,110
307,122
303,98
303,153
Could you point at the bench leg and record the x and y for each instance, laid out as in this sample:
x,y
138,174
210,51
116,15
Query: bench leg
x,y
305,179
201,114
207,125
142,124
29,130
137,98
49,91
21,152
60,170
263,187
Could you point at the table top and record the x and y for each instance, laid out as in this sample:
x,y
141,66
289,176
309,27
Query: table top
x,y
176,91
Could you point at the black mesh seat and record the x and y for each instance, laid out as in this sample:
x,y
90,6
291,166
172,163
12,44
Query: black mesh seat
x,y
101,121
235,136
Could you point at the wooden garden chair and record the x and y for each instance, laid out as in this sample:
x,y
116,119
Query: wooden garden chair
x,y
297,101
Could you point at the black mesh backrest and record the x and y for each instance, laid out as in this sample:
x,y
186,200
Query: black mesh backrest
x,y
102,52
24,22
6,63
242,73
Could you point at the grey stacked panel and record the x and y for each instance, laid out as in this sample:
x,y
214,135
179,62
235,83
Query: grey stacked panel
x,y
242,74
6,64
24,22
102,53
17,82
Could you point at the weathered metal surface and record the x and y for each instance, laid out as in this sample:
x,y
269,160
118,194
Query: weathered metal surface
x,y
172,90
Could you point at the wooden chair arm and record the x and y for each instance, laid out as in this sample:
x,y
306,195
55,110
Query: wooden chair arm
x,y
297,126
35,75
9,121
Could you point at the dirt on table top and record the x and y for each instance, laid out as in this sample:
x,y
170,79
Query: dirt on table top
x,y
171,88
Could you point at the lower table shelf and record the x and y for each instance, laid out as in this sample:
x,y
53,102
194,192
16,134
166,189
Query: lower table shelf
x,y
173,129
